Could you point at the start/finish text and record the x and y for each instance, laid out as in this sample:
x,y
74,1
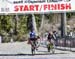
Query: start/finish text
x,y
40,7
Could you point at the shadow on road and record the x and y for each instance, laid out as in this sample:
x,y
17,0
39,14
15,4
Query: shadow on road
x,y
65,50
30,54
41,51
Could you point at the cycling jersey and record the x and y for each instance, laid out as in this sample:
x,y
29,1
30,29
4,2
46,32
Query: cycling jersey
x,y
32,35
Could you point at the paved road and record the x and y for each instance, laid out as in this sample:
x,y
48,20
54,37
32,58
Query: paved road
x,y
21,50
38,57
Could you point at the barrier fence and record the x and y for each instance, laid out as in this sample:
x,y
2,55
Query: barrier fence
x,y
66,42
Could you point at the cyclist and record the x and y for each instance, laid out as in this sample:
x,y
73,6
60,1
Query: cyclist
x,y
50,42
33,41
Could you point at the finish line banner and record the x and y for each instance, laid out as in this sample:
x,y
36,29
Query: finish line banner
x,y
22,7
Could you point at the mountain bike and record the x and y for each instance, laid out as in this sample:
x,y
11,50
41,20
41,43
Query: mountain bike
x,y
34,45
50,46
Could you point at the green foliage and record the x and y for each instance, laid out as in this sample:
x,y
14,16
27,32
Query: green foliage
x,y
22,28
5,26
69,15
49,17
5,23
10,21
38,20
